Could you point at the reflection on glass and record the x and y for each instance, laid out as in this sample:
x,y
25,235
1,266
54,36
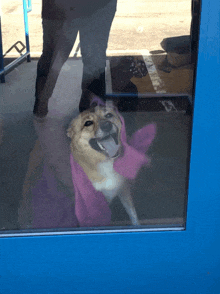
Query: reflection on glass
x,y
123,162
53,183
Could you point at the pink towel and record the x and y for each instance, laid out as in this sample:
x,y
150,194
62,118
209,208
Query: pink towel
x,y
52,208
91,207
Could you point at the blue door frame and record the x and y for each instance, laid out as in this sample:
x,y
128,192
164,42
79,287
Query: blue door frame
x,y
184,262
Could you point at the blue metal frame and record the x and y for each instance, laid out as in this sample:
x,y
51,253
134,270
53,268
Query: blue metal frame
x,y
27,7
142,262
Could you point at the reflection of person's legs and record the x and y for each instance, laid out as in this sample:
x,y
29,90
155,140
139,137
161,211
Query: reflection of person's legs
x,y
57,44
56,150
94,34
25,212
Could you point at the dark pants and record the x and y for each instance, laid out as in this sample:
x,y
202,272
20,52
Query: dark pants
x,y
58,40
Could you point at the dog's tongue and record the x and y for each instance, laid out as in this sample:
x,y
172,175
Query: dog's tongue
x,y
110,146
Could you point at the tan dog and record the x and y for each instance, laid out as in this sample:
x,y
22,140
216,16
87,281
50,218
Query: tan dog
x,y
95,144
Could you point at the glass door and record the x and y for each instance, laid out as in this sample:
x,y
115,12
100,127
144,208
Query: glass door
x,y
152,94
174,247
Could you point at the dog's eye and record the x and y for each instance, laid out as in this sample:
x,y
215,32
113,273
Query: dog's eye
x,y
109,115
88,123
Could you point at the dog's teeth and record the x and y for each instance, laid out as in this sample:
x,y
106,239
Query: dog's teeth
x,y
101,147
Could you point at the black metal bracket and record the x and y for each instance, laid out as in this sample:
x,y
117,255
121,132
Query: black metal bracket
x,y
16,47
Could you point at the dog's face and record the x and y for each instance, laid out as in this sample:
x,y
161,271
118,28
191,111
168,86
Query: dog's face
x,y
96,132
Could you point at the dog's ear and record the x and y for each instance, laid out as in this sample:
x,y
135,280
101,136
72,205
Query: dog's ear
x,y
75,126
93,104
71,130
111,105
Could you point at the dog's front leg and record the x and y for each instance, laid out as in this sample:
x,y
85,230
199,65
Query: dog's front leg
x,y
126,200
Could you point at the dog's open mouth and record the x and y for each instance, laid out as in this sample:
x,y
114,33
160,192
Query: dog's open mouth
x,y
108,145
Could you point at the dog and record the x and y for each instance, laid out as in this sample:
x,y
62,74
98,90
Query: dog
x,y
95,145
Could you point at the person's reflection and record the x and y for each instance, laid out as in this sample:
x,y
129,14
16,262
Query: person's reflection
x,y
48,194
62,19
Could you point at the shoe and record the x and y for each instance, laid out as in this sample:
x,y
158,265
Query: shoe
x,y
85,100
95,89
40,108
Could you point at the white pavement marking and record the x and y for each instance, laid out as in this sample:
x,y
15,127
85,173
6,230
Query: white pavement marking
x,y
153,74
168,105
75,46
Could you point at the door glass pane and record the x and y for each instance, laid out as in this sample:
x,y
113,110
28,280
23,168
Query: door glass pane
x,y
122,163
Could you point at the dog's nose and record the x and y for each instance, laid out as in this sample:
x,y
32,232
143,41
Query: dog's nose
x,y
106,126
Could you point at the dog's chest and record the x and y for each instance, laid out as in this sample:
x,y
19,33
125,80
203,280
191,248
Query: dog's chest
x,y
112,183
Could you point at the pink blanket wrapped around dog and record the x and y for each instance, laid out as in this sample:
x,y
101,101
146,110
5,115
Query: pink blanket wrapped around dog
x,y
91,207
53,209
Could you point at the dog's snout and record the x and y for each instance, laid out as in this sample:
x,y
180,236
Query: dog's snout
x,y
106,126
